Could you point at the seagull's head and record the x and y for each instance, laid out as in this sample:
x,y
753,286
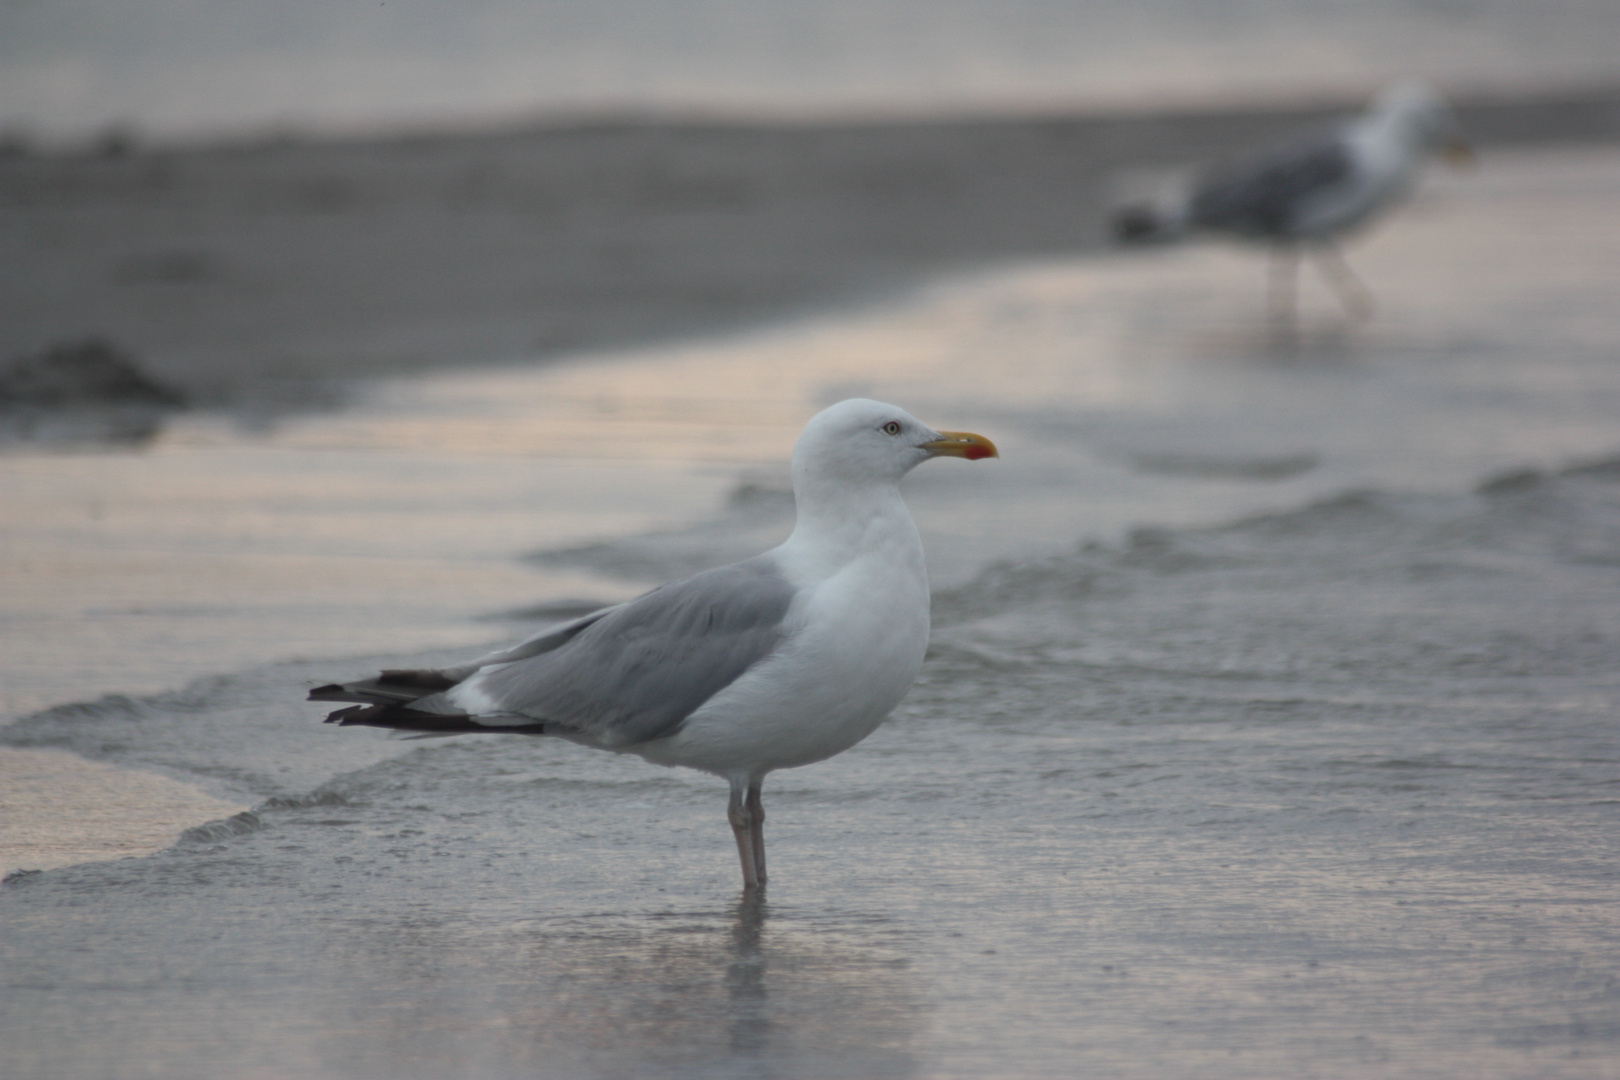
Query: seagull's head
x,y
1424,119
863,441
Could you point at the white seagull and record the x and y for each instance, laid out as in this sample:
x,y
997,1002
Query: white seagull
x,y
1308,193
781,660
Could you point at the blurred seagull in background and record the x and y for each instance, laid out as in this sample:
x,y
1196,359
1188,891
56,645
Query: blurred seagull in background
x,y
781,660
1304,195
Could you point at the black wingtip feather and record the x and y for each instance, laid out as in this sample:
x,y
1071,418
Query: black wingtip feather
x,y
336,716
401,719
429,681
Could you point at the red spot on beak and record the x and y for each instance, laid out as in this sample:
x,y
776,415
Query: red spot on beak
x,y
962,444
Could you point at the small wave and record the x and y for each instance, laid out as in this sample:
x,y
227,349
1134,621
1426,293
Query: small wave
x,y
214,831
109,708
1218,468
1009,585
757,515
304,802
1348,512
1511,482
959,656
550,611
202,695
1509,580
1606,470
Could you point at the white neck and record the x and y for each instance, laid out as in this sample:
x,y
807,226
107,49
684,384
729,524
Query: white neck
x,y
839,523
1399,127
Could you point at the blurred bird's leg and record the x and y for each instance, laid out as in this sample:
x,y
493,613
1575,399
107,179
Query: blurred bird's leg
x,y
1281,285
744,828
1356,297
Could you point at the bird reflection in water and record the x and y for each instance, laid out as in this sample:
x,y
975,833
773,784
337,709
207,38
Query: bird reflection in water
x,y
745,979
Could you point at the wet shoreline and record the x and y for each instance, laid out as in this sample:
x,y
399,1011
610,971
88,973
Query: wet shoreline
x,y
263,278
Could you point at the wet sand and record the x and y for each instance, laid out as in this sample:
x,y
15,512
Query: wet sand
x,y
264,276
50,822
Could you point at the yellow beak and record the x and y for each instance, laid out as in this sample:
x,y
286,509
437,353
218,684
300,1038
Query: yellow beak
x,y
962,444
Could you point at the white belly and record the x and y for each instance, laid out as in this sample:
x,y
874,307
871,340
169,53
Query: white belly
x,y
863,636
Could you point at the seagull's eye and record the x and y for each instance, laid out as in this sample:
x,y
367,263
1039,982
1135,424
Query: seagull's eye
x,y
892,428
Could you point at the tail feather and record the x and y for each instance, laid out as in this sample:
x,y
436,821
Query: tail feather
x,y
334,692
428,680
386,701
391,687
401,718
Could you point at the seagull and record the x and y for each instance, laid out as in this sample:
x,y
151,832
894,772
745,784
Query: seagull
x,y
1305,195
778,661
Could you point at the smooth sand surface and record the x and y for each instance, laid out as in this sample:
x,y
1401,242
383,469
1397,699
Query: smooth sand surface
x,y
60,809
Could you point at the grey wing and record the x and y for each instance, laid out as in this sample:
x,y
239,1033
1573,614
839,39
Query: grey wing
x,y
420,689
1263,197
553,638
637,672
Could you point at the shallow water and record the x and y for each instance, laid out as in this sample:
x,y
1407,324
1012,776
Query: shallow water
x,y
1268,728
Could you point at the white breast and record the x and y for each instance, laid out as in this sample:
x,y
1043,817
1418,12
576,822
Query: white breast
x,y
1385,169
858,636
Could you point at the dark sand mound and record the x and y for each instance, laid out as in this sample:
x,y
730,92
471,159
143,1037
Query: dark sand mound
x,y
86,390
82,373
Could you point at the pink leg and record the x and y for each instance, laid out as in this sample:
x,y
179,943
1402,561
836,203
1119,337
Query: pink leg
x,y
744,829
756,812
1283,283
1355,296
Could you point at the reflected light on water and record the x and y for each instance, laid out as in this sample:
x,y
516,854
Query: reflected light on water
x,y
699,993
